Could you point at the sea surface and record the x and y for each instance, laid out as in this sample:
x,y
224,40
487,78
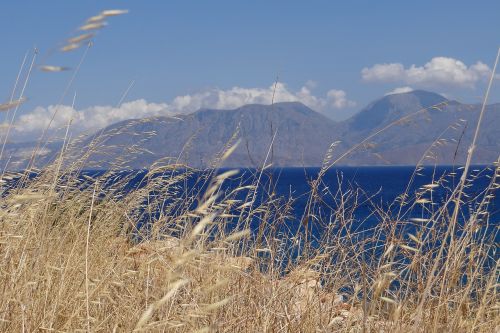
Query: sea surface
x,y
365,196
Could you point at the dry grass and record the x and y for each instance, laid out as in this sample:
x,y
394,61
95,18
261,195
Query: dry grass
x,y
79,255
74,258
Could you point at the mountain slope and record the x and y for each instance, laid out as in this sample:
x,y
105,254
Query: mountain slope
x,y
400,129
391,108
300,136
411,124
407,126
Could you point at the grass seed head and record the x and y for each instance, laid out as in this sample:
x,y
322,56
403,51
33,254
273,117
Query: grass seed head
x,y
12,104
80,38
50,68
96,18
93,26
114,12
70,47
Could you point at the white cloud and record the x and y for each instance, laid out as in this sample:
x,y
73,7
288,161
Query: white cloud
x,y
438,71
96,117
311,84
238,96
86,119
338,98
383,72
400,90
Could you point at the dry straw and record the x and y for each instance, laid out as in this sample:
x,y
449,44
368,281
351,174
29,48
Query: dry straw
x,y
12,104
51,68
77,254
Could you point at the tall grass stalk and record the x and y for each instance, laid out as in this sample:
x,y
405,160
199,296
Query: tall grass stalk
x,y
90,251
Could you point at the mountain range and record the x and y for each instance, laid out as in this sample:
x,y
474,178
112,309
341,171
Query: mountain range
x,y
417,127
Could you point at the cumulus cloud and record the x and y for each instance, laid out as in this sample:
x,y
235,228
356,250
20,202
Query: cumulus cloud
x,y
96,117
400,90
438,71
383,72
238,96
338,99
86,119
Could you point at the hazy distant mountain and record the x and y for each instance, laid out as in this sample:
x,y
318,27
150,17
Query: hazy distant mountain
x,y
391,108
409,126
416,125
16,155
301,136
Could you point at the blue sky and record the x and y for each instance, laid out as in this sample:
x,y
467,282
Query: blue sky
x,y
202,50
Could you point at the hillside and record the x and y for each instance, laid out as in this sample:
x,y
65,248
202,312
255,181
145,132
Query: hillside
x,y
301,136
410,123
414,127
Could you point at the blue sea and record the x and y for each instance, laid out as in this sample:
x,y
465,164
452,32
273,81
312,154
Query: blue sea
x,y
365,196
